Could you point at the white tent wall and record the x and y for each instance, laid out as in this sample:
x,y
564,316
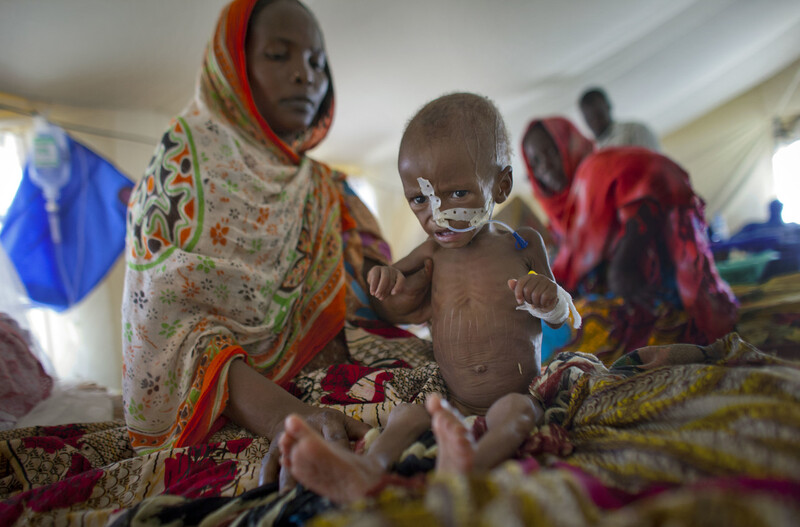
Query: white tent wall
x,y
728,151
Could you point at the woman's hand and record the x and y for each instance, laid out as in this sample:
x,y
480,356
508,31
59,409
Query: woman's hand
x,y
261,406
626,276
626,280
331,424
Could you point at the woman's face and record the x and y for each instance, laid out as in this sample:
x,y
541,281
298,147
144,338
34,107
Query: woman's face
x,y
286,67
545,160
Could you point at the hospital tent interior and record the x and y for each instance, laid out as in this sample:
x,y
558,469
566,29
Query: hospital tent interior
x,y
717,80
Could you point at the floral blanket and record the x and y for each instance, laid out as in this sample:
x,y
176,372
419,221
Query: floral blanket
x,y
682,434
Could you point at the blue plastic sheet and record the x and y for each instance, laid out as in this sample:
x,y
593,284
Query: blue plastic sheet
x,y
92,208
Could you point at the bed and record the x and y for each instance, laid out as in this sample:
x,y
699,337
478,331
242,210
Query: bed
x,y
673,437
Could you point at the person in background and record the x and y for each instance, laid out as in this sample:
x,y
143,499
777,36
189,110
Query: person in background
x,y
596,110
774,224
246,259
631,240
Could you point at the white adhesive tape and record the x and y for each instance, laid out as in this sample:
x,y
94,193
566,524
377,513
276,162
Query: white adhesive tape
x,y
559,313
475,217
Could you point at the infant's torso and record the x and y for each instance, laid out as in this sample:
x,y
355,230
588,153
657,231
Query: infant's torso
x,y
484,346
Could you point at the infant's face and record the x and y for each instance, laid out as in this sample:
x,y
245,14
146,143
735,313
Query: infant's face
x,y
451,170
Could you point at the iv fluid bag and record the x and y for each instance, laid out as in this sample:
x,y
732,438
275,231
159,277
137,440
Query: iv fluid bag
x,y
50,163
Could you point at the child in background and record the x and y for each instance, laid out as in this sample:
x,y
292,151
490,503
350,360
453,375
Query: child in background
x,y
487,283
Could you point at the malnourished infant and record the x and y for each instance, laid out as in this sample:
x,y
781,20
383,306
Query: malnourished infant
x,y
487,283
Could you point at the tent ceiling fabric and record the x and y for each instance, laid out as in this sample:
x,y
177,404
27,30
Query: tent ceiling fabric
x,y
662,61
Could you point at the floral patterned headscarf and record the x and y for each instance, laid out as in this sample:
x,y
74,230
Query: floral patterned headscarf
x,y
238,246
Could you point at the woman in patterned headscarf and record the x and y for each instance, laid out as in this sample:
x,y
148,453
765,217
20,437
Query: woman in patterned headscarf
x,y
241,247
632,241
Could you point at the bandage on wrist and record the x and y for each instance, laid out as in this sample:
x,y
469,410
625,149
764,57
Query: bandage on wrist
x,y
559,313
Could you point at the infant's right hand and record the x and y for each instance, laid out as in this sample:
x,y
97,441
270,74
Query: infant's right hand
x,y
385,280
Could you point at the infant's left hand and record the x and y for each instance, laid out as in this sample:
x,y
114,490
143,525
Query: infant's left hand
x,y
535,289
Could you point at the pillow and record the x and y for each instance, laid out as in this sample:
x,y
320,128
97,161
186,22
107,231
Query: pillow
x,y
23,381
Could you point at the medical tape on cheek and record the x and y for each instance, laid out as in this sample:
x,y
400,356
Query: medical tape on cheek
x,y
427,189
475,217
558,314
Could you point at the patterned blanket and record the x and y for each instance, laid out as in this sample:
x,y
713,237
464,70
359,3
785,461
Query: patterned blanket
x,y
680,433
770,315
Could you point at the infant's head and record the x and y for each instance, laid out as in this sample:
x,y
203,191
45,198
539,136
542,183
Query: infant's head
x,y
459,145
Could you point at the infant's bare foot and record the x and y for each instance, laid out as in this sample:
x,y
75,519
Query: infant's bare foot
x,y
456,448
324,467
